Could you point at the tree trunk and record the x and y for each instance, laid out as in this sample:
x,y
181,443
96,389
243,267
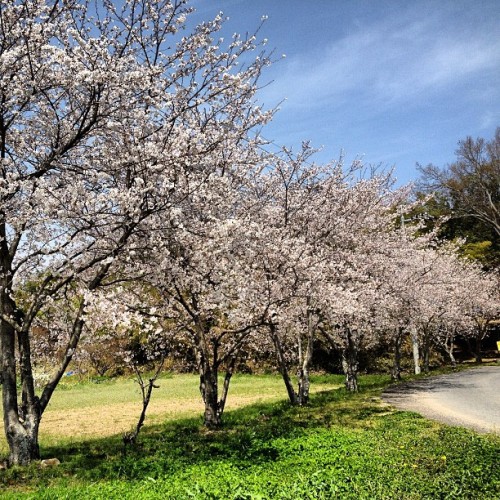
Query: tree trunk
x,y
209,392
208,367
23,443
20,423
304,386
449,346
477,354
416,353
208,363
350,362
22,414
453,361
396,367
209,388
283,369
146,391
426,350
480,333
225,387
305,359
478,341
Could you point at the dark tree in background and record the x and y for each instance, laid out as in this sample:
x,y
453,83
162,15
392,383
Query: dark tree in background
x,y
468,191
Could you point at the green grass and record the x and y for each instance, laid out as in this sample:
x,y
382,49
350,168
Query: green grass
x,y
340,446
82,409
73,393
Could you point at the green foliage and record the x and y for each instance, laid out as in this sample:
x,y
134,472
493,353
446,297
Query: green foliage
x,y
468,192
341,446
478,250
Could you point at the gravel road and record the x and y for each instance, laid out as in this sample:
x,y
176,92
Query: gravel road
x,y
468,399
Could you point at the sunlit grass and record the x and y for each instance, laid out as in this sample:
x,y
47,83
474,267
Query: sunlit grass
x,y
85,409
340,446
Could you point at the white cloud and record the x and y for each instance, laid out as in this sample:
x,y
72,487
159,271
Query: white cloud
x,y
391,61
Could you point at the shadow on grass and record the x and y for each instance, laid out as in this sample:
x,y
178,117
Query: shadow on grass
x,y
245,439
336,447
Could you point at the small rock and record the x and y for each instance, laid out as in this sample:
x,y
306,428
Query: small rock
x,y
50,462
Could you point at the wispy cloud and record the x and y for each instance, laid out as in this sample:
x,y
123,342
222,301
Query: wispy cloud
x,y
388,62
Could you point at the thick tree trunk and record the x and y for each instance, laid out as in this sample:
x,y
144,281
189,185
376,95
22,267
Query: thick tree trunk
x,y
210,393
209,387
214,406
282,367
396,367
22,439
208,367
416,352
20,423
350,362
208,363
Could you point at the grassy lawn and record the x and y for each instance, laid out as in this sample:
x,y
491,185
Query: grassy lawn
x,y
341,446
112,407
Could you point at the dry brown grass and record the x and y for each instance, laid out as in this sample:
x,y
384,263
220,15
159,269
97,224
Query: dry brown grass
x,y
91,422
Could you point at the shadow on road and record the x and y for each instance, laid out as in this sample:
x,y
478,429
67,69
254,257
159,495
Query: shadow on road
x,y
422,385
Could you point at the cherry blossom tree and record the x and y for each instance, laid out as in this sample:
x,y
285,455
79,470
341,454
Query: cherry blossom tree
x,y
456,296
477,304
313,260
286,264
353,304
108,116
200,292
430,293
198,267
344,268
284,261
137,339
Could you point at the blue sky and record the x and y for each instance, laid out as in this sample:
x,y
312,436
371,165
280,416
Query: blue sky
x,y
394,82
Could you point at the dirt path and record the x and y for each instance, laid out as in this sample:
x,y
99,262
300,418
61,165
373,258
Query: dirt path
x,y
468,399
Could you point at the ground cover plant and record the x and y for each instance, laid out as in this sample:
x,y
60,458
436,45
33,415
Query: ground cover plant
x,y
341,445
